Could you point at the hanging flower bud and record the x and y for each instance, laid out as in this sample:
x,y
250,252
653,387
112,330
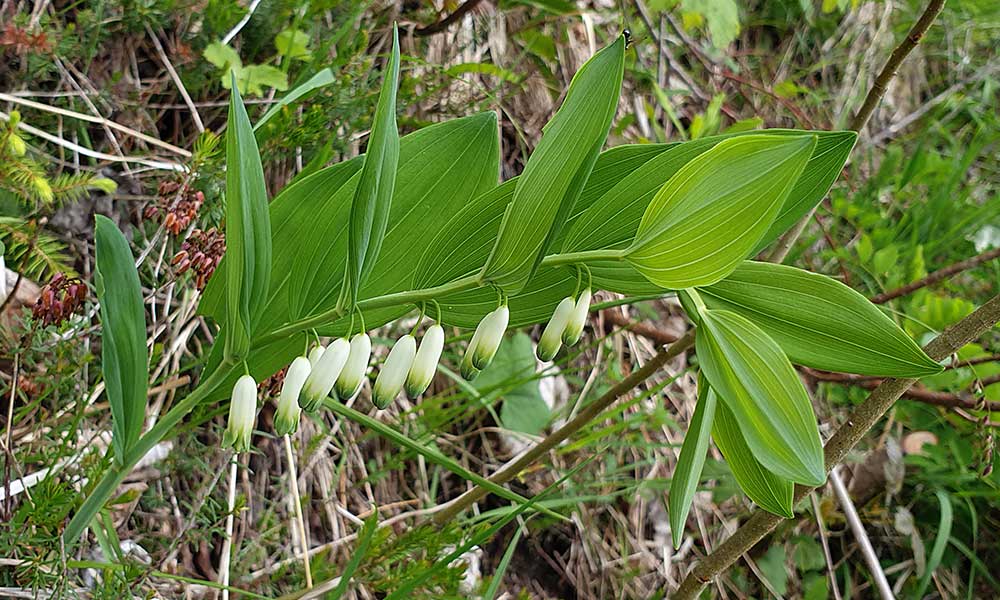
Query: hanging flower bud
x,y
577,320
394,371
349,382
551,340
286,419
493,325
242,414
315,354
469,371
425,362
324,374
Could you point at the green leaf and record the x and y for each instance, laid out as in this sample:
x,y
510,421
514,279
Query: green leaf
x,y
611,220
940,543
222,56
293,44
827,160
819,322
770,492
248,232
714,210
557,170
687,473
321,79
373,196
772,567
364,543
754,378
123,335
310,239
252,79
721,16
511,374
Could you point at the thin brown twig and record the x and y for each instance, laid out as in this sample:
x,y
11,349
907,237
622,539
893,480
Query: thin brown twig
x,y
447,21
650,332
920,394
860,421
938,275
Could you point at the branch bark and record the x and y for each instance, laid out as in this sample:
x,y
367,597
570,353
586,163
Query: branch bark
x,y
920,394
862,419
937,276
881,83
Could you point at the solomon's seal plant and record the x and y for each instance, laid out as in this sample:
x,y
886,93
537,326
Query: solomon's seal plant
x,y
349,243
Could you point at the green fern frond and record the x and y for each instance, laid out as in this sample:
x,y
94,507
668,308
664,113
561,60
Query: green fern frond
x,y
25,179
74,187
31,251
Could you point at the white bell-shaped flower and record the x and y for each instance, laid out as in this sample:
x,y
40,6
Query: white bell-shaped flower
x,y
551,340
324,374
425,362
242,414
574,329
286,418
349,382
394,371
493,326
315,354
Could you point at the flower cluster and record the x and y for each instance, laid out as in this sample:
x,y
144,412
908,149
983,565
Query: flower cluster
x,y
201,252
61,297
176,206
340,367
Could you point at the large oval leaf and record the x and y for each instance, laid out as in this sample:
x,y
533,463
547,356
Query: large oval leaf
x,y
612,220
373,194
248,231
706,219
755,379
687,473
770,492
123,335
557,170
819,322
